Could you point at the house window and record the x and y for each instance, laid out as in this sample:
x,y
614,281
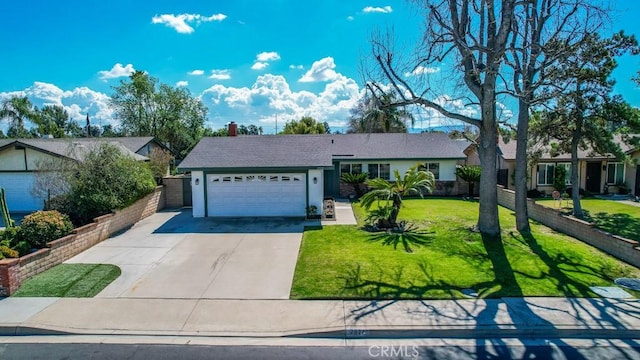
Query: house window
x,y
379,170
350,168
545,174
434,168
615,173
567,168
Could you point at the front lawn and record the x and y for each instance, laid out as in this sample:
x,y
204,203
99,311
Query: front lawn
x,y
70,280
447,257
612,216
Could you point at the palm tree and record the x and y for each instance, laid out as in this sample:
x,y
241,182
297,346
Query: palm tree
x,y
470,174
376,115
17,110
355,180
380,115
414,182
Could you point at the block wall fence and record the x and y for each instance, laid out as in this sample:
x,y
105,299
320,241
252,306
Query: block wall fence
x,y
13,272
622,248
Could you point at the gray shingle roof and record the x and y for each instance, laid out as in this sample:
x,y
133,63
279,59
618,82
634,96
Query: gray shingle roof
x,y
509,151
262,151
75,148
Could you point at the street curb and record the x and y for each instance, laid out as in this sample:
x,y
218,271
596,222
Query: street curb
x,y
397,333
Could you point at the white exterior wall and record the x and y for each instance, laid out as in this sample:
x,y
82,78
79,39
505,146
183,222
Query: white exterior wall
x,y
316,191
13,160
197,193
447,167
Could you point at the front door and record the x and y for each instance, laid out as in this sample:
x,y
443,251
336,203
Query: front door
x,y
594,176
636,191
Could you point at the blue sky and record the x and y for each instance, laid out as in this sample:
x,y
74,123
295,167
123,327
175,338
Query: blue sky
x,y
247,59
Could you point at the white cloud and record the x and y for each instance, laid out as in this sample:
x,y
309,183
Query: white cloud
x,y
321,70
116,71
259,65
296,67
271,94
350,18
268,56
78,102
421,70
182,83
196,72
180,22
220,74
384,10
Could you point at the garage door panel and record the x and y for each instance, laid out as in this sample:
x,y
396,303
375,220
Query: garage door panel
x,y
256,195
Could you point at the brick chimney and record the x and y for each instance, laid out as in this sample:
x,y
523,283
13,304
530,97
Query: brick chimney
x,y
233,129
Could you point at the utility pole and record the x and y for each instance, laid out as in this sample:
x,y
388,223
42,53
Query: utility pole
x,y
276,123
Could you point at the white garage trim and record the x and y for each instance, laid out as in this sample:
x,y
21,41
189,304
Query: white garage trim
x,y
17,186
259,194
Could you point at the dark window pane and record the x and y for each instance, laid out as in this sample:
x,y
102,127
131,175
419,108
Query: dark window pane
x,y
373,171
435,169
385,171
356,168
345,168
611,173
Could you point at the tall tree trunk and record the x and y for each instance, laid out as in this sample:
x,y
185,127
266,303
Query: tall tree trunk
x,y
395,210
575,182
522,213
488,221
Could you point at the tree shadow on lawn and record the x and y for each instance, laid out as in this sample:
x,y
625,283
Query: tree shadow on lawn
x,y
389,285
619,224
407,237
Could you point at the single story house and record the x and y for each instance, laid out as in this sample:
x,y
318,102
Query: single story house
x,y
597,173
282,175
19,159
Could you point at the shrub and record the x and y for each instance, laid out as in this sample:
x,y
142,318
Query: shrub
x,y
534,193
6,252
559,178
9,236
22,247
105,180
43,226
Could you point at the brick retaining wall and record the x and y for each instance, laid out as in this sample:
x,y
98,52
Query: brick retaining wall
x,y
13,272
622,248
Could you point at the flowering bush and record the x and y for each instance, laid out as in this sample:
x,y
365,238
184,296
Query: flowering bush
x,y
43,226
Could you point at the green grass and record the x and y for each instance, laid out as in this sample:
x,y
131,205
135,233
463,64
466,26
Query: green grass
x,y
447,256
612,216
70,280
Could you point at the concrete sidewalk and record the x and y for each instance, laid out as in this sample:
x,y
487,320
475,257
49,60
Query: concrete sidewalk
x,y
509,317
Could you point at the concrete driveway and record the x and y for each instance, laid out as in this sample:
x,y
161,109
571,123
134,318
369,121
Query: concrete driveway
x,y
173,255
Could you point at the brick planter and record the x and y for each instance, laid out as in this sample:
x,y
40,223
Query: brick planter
x,y
13,272
622,248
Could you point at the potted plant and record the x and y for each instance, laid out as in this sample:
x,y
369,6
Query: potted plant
x,y
312,212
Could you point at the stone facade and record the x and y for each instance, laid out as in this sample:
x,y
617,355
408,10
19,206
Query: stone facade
x,y
13,272
622,248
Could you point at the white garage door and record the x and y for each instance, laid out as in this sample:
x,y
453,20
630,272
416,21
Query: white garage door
x,y
256,195
17,187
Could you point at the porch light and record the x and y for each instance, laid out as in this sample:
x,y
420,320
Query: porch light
x,y
315,180
197,181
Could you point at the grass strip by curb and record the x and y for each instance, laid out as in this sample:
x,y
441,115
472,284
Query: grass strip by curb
x,y
70,280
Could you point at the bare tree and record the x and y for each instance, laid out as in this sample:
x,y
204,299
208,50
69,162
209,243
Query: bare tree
x,y
473,35
544,31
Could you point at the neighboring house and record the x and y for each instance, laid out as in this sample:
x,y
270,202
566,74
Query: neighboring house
x,y
597,173
19,159
281,175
